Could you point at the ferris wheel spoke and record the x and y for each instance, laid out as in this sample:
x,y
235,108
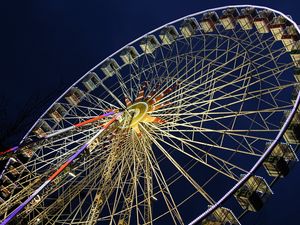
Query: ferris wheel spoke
x,y
148,188
129,194
209,160
178,62
123,197
190,144
182,171
167,62
135,73
206,66
136,183
237,133
194,130
74,194
224,114
77,214
50,179
142,173
55,155
269,70
96,103
201,128
194,145
63,200
55,135
116,185
67,196
219,115
122,84
254,42
108,184
265,93
164,190
182,59
97,182
112,95
210,62
251,96
228,50
125,213
162,185
232,103
61,150
187,89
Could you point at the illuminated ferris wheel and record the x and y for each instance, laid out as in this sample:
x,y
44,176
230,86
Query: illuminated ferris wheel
x,y
192,123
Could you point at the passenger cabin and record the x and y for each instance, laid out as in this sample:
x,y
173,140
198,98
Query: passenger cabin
x,y
110,67
129,55
294,95
291,30
168,35
295,119
295,55
252,194
208,21
297,75
24,154
228,19
276,164
289,42
246,19
14,169
292,134
57,112
91,81
6,187
290,38
286,151
278,26
4,192
262,21
149,44
42,128
221,216
189,27
5,181
74,96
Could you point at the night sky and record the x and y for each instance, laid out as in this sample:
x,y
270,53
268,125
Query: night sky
x,y
48,45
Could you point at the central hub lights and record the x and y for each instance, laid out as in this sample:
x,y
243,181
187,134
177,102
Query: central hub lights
x,y
138,112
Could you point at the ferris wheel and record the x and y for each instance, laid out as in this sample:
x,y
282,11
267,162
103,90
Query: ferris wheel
x,y
192,123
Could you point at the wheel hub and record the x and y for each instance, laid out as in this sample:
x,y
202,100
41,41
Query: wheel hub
x,y
138,112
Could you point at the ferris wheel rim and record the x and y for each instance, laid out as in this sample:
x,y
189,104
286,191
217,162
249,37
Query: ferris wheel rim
x,y
262,157
146,34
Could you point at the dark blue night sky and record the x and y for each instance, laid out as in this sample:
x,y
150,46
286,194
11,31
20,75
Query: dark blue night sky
x,y
48,45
